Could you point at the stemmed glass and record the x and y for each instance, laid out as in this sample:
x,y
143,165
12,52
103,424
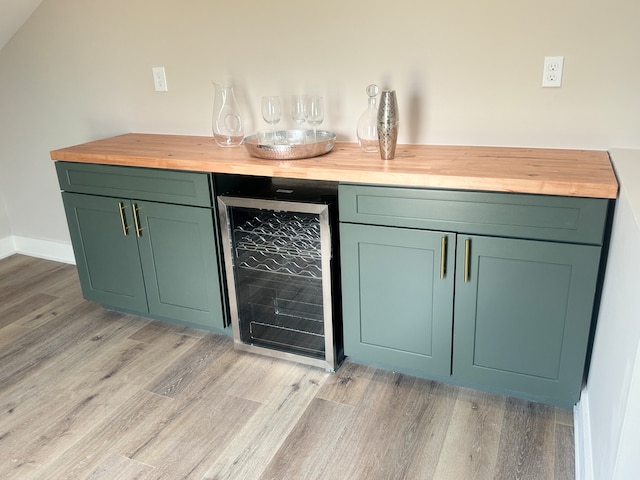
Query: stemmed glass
x,y
271,111
315,112
298,109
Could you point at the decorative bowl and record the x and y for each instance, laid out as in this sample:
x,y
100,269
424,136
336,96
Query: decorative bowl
x,y
289,144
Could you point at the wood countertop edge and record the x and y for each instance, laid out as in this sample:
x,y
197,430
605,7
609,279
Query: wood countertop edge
x,y
459,172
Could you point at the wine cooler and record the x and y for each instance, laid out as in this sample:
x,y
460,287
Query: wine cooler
x,y
279,247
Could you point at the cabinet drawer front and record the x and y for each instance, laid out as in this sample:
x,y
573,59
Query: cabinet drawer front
x,y
185,188
568,219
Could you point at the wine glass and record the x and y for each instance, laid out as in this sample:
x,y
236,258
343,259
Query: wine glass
x,y
271,111
298,109
315,112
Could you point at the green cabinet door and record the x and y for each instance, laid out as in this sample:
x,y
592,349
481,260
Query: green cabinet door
x,y
106,250
523,313
178,252
397,310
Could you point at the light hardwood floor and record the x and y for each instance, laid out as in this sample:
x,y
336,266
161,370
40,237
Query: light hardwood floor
x,y
87,393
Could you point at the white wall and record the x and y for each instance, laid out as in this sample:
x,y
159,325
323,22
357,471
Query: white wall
x,y
13,13
6,242
5,227
609,412
465,72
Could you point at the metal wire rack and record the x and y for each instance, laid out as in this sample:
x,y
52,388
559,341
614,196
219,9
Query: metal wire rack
x,y
280,242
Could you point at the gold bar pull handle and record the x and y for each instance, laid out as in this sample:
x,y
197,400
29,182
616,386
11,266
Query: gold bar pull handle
x,y
467,260
443,257
123,220
136,220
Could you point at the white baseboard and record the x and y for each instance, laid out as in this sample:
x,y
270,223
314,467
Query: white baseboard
x,y
582,436
7,247
59,252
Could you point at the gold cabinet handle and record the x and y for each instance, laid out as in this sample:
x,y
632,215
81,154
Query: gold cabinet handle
x,y
443,257
467,251
123,220
136,220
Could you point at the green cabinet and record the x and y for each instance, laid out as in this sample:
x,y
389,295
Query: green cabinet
x,y
108,261
179,263
503,303
397,291
148,257
523,314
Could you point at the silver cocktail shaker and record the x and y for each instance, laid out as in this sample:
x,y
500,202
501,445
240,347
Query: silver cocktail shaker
x,y
388,124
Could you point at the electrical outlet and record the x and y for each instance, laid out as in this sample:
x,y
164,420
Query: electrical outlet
x,y
159,79
552,73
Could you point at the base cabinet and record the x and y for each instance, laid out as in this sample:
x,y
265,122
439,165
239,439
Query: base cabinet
x,y
108,260
397,295
523,314
141,256
504,313
179,263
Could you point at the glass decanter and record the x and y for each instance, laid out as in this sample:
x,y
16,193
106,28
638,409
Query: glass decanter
x,y
228,128
367,130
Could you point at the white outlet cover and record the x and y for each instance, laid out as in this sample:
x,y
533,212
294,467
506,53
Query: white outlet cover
x,y
159,79
552,71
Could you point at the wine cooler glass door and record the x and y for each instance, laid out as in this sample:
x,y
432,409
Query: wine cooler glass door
x,y
277,258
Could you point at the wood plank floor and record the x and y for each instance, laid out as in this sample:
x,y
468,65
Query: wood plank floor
x,y
87,393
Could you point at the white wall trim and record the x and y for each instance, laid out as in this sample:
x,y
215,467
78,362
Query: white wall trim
x,y
582,438
59,252
7,247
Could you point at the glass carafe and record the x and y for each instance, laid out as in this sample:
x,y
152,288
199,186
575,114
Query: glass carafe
x,y
367,130
227,124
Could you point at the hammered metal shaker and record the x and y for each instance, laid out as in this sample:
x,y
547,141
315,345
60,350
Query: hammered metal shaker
x,y
388,124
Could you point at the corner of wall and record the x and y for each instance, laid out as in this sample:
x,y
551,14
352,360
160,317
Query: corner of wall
x,y
58,252
7,247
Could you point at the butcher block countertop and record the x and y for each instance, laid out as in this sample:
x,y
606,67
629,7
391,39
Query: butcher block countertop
x,y
579,173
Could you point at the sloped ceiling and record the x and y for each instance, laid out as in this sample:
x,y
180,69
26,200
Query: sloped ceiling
x,y
13,13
